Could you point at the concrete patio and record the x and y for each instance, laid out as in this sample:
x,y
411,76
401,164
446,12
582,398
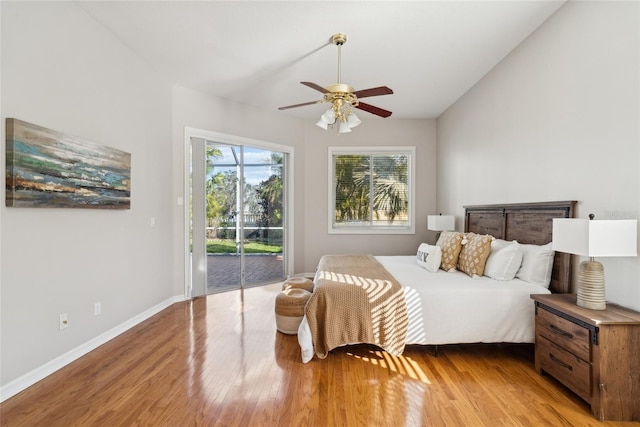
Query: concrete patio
x,y
223,271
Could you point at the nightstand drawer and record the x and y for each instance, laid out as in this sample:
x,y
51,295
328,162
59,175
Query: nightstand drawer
x,y
570,370
568,335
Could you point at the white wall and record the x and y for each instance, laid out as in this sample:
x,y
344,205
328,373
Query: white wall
x,y
558,119
372,132
62,70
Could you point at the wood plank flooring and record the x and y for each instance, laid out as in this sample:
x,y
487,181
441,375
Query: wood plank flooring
x,y
218,361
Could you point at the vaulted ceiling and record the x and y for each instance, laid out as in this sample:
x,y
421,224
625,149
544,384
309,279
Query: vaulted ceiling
x,y
257,52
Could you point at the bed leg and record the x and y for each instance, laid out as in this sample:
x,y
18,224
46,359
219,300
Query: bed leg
x,y
436,351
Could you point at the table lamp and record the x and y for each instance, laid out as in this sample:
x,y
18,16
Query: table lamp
x,y
441,223
594,238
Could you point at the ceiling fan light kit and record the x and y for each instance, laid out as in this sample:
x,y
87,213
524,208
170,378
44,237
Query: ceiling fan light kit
x,y
343,99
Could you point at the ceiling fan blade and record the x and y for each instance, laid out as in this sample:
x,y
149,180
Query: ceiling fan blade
x,y
301,105
374,91
315,86
373,109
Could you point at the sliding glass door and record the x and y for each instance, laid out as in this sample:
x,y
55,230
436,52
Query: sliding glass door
x,y
237,215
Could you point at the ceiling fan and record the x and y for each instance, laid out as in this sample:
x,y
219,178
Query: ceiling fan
x,y
343,98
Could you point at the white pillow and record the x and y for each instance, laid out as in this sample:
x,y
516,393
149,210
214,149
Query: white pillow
x,y
537,263
504,260
429,257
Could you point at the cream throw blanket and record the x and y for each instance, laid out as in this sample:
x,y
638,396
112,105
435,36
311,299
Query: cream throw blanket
x,y
356,300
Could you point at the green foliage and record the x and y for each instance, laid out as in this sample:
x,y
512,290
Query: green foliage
x,y
221,193
370,187
229,247
352,188
269,195
262,203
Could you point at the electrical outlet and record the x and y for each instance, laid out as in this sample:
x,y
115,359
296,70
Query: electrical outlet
x,y
64,321
97,308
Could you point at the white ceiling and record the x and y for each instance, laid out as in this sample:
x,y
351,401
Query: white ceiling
x,y
257,52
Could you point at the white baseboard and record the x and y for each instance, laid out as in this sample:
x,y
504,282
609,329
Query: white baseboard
x,y
16,386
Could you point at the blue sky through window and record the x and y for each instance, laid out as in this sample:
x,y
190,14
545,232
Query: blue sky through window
x,y
252,157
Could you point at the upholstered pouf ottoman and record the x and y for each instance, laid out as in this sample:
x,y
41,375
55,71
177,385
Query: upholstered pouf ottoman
x,y
290,309
298,282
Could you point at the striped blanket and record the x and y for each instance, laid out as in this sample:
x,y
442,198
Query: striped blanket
x,y
356,300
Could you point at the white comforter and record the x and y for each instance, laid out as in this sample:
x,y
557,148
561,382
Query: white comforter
x,y
452,308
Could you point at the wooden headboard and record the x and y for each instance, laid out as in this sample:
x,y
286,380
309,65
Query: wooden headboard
x,y
528,223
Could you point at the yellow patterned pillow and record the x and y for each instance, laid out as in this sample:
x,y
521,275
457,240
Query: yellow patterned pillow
x,y
474,254
451,244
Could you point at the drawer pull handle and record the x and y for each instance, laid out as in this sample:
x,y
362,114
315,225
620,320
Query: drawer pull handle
x,y
559,331
560,362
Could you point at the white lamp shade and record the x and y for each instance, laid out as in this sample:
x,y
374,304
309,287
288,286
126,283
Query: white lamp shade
x,y
596,238
322,124
344,127
353,120
441,222
329,116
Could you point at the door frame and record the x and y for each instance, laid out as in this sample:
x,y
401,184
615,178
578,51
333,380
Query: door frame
x,y
288,250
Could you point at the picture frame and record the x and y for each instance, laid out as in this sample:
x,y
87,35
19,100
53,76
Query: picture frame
x,y
49,169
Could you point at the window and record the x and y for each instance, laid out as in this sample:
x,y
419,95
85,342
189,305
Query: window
x,y
371,190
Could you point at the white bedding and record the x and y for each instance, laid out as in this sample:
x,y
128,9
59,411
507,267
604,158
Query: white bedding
x,y
452,308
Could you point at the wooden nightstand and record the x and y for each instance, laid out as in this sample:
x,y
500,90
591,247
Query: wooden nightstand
x,y
595,353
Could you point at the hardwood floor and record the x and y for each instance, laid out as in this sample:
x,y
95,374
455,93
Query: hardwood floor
x,y
218,361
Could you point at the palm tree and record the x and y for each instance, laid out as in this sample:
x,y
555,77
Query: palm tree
x,y
212,153
269,195
390,187
219,189
370,186
352,188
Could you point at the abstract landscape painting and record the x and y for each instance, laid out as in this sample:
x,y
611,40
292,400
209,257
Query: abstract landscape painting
x,y
49,169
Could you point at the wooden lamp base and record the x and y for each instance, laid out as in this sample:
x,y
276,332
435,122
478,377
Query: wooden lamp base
x,y
591,292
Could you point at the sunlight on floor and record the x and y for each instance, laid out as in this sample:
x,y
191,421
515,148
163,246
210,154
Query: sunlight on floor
x,y
398,364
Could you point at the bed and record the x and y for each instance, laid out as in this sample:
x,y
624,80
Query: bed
x,y
391,301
